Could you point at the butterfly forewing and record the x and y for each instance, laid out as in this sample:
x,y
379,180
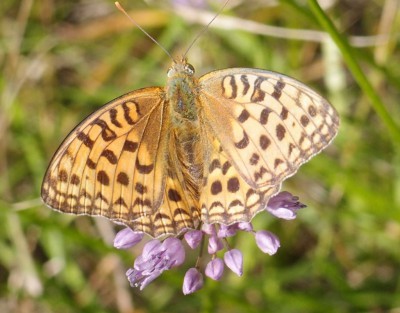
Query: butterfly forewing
x,y
105,165
267,123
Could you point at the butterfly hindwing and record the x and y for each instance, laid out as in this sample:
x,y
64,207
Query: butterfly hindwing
x,y
178,211
226,197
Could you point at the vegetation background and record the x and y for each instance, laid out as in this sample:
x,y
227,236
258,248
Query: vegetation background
x,y
61,60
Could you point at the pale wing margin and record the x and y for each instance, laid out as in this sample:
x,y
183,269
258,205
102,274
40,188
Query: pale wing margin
x,y
268,123
106,163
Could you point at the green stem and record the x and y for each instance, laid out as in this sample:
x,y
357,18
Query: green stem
x,y
200,252
355,69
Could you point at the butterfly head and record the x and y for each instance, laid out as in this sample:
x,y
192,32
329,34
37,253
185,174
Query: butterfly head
x,y
180,68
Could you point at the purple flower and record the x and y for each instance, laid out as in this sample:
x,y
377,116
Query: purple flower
x,y
215,269
228,231
208,229
193,238
192,282
214,244
155,259
245,226
284,205
158,256
127,238
234,260
267,242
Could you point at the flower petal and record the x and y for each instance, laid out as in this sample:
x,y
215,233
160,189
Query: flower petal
x,y
228,231
149,279
209,229
267,242
174,250
156,258
284,213
133,276
137,279
193,238
234,260
284,205
151,248
215,269
127,238
214,244
245,226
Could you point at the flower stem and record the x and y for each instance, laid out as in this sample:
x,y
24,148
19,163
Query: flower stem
x,y
200,252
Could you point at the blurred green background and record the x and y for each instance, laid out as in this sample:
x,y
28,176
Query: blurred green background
x,y
61,60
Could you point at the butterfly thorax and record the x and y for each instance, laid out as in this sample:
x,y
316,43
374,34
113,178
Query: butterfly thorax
x,y
181,91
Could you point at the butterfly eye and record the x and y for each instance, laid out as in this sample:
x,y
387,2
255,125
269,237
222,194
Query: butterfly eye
x,y
189,69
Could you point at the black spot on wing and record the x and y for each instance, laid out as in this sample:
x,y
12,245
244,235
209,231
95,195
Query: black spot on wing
x,y
244,142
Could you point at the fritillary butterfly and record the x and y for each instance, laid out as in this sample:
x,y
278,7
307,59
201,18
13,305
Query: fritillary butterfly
x,y
207,150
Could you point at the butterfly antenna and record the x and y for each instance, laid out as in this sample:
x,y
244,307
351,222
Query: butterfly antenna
x,y
119,7
205,28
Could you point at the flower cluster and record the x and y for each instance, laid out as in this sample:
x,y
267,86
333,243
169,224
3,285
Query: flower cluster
x,y
158,256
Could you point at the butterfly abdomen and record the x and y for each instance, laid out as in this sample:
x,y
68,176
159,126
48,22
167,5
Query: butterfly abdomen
x,y
188,154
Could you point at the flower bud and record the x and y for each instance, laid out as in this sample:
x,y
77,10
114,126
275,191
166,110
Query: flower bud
x,y
192,282
234,260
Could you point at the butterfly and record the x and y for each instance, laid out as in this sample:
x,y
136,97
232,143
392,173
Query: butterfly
x,y
212,149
